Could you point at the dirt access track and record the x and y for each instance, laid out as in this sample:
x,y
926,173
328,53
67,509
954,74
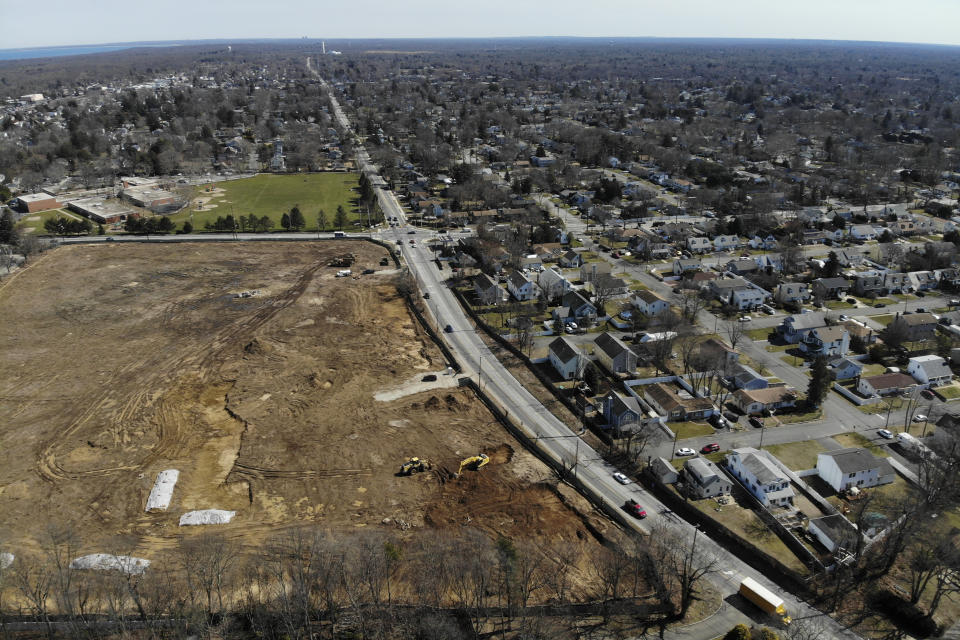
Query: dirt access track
x,y
120,361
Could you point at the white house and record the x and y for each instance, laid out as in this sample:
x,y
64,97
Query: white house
x,y
521,287
930,371
699,244
748,298
885,384
726,243
863,232
760,476
553,284
853,467
703,479
649,303
826,341
834,532
565,358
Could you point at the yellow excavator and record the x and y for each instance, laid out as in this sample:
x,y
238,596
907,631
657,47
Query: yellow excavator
x,y
473,462
415,465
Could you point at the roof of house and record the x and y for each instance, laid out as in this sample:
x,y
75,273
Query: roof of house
x,y
759,465
564,351
574,300
933,366
842,363
857,459
483,282
517,279
830,334
833,283
715,344
663,396
768,395
623,404
648,296
742,264
890,381
917,319
610,344
806,320
836,527
704,471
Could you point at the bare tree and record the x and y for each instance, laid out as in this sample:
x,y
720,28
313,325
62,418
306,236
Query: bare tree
x,y
681,562
734,331
208,562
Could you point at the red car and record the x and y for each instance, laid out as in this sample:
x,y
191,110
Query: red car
x,y
634,509
710,448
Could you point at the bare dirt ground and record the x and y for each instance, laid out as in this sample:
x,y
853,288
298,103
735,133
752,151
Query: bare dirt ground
x,y
121,361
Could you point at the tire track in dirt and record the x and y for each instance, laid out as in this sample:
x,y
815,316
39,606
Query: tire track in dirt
x,y
47,465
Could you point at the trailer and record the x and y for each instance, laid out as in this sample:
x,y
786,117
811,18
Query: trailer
x,y
765,599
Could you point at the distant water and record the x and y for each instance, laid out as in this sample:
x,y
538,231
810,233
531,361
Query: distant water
x,y
52,52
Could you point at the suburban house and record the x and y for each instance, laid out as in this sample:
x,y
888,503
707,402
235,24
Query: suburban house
x,y
919,326
648,303
565,358
789,292
487,291
930,370
863,232
744,377
571,260
885,384
553,284
521,287
866,284
853,467
826,341
715,348
699,244
795,328
742,266
726,243
845,369
609,285
759,401
923,280
834,532
760,476
897,281
614,354
589,271
622,412
574,306
857,329
677,404
829,288
681,266
738,293
704,479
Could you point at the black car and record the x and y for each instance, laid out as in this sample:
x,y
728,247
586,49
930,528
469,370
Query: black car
x,y
448,329
921,294
367,272
879,305
429,378
731,417
756,422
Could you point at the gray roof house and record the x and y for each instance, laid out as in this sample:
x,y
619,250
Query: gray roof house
x,y
744,377
795,328
845,369
761,477
614,354
565,358
703,479
622,412
834,532
853,467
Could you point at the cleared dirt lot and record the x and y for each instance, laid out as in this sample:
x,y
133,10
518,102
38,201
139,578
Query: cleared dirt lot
x,y
119,361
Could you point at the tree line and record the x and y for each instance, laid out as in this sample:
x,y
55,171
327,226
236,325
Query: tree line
x,y
309,583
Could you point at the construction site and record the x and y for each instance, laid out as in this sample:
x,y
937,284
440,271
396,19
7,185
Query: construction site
x,y
277,390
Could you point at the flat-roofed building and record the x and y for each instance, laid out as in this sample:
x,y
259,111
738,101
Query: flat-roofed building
x,y
101,210
34,202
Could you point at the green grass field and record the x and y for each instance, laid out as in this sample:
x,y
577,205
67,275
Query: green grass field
x,y
273,195
32,223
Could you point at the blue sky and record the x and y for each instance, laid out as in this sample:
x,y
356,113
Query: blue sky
x,y
64,22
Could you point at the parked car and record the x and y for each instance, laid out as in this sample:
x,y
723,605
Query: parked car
x,y
879,305
686,451
710,448
718,421
851,301
621,478
883,433
921,294
756,422
367,272
744,319
426,295
921,310
844,317
430,377
926,394
919,418
448,329
731,417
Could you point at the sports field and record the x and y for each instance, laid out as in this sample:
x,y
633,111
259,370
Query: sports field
x,y
272,196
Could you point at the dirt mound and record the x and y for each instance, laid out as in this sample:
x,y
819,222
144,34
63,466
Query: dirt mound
x,y
500,455
255,347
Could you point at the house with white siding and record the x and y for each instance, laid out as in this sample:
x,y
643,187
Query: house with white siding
x,y
761,477
648,303
930,370
565,357
521,287
853,467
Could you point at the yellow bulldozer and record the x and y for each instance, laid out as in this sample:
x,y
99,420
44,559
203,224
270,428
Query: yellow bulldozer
x,y
473,462
415,465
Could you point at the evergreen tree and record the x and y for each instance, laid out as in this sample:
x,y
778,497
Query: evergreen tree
x,y
297,221
820,379
7,233
341,218
285,221
187,227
